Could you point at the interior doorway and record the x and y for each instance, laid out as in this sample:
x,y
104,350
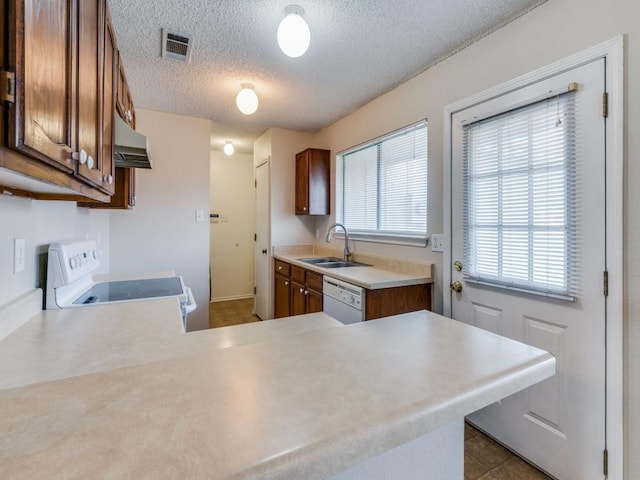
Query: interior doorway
x,y
232,218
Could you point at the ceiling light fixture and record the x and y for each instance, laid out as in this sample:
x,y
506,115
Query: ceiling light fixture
x,y
247,100
228,148
293,32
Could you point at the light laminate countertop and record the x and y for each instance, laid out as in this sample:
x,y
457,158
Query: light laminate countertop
x,y
369,277
299,398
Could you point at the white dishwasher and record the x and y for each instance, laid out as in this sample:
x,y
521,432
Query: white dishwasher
x,y
343,301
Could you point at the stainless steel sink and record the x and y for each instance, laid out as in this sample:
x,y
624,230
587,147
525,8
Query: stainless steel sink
x,y
316,260
331,262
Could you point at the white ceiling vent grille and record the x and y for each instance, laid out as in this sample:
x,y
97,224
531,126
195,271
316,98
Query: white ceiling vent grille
x,y
176,46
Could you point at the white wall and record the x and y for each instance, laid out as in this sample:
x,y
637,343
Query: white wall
x,y
287,228
550,32
40,223
161,232
233,198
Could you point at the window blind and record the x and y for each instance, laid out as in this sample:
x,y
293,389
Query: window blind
x,y
520,199
381,188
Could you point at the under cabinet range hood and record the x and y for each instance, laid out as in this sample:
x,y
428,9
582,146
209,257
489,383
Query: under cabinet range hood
x,y
132,148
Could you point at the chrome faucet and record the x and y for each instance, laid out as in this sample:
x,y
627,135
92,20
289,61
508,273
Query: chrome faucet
x,y
347,253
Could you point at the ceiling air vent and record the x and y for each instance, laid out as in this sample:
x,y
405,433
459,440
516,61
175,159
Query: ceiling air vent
x,y
176,46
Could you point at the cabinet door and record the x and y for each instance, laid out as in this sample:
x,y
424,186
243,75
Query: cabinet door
x,y
42,119
90,74
110,57
314,301
302,183
298,299
282,307
124,102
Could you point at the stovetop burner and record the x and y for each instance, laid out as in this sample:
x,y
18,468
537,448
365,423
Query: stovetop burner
x,y
117,291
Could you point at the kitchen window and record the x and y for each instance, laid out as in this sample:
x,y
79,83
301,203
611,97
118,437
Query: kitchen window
x,y
381,188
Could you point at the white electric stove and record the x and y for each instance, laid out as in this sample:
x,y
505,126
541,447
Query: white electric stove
x,y
70,283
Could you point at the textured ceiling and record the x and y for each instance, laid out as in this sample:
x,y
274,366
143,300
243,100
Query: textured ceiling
x,y
359,50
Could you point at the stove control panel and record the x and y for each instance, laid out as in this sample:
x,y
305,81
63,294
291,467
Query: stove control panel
x,y
74,260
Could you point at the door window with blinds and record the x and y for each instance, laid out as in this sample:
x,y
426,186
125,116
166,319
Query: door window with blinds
x,y
381,188
520,197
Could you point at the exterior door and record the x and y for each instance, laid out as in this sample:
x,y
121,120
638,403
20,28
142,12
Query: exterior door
x,y
515,241
262,243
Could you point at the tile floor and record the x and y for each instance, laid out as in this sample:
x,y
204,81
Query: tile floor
x,y
484,459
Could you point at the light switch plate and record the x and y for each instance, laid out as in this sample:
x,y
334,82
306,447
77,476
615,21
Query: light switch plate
x,y
437,242
199,215
18,255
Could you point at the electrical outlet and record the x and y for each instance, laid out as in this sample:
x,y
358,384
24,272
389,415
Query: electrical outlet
x,y
437,242
18,255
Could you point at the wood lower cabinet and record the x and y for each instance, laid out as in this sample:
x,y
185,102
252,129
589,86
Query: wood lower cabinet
x,y
313,182
396,300
282,289
297,290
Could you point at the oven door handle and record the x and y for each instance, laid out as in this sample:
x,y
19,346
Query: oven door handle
x,y
191,302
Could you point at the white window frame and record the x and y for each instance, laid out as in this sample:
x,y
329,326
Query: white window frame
x,y
389,237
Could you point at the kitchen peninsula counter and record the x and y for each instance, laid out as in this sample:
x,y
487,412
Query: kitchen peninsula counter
x,y
312,403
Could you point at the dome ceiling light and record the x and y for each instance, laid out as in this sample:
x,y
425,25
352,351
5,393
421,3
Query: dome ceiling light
x,y
293,32
228,148
247,100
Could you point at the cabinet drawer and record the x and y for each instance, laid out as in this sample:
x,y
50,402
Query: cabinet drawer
x,y
314,281
282,268
297,274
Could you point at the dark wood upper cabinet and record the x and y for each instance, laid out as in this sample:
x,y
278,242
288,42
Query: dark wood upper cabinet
x,y
313,182
91,73
124,101
44,56
59,128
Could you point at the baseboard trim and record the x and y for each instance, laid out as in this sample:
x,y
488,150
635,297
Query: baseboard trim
x,y
233,297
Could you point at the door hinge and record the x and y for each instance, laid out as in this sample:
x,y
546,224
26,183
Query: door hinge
x,y
255,237
255,185
606,283
255,290
605,104
605,462
8,90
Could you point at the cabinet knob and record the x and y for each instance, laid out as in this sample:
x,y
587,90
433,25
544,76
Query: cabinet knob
x,y
108,179
264,251
90,162
304,209
286,282
302,290
81,156
279,267
306,292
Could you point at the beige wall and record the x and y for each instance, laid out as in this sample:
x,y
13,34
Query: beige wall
x,y
550,32
40,223
161,232
233,198
282,145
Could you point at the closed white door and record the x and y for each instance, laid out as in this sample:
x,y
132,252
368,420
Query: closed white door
x,y
262,243
528,257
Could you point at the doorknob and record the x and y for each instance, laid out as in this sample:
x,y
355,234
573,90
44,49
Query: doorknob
x,y
456,286
264,251
457,265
